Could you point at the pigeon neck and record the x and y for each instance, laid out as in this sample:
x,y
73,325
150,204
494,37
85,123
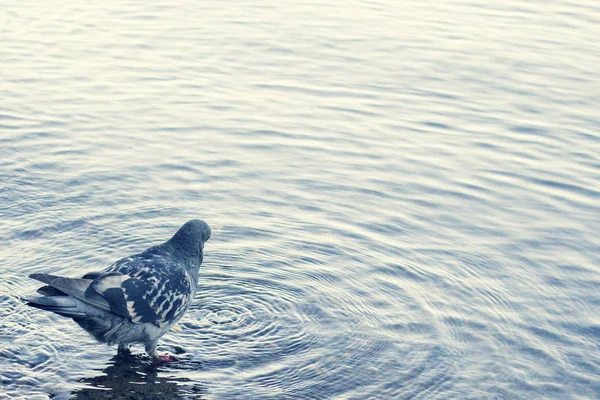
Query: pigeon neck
x,y
185,251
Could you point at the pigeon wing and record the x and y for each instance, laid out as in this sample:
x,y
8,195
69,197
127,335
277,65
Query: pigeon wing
x,y
127,296
150,298
112,292
146,290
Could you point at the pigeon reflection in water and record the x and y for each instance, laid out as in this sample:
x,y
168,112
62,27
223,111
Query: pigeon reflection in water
x,y
133,377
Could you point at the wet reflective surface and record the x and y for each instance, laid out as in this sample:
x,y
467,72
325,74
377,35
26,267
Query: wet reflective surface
x,y
404,197
135,377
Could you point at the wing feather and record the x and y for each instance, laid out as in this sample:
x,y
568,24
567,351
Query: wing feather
x,y
134,288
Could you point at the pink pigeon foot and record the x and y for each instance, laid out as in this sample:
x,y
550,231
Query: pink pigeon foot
x,y
165,358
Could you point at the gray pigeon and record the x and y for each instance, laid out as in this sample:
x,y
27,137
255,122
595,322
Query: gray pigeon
x,y
138,298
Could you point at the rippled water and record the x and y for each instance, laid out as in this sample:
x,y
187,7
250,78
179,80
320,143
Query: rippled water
x,y
405,197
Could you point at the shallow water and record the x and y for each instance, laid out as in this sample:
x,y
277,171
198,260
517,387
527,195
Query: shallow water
x,y
405,197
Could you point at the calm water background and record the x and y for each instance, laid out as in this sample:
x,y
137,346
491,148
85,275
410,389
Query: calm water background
x,y
405,195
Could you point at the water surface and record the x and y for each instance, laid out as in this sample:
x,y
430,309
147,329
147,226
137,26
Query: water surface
x,y
405,196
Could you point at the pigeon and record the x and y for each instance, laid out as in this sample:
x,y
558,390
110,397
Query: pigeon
x,y
135,300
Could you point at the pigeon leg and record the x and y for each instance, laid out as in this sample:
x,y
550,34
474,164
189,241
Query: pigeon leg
x,y
123,348
151,350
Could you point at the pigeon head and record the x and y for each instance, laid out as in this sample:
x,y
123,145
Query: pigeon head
x,y
190,238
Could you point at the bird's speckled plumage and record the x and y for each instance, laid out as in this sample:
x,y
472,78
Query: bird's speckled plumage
x,y
138,298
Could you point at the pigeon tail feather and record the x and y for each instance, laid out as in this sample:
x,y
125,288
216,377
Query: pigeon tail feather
x,y
61,305
79,288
